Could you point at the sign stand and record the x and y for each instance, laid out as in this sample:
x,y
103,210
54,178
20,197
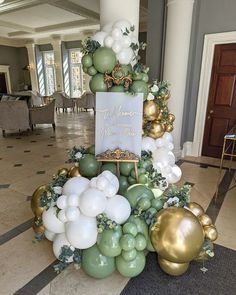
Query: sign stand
x,y
119,156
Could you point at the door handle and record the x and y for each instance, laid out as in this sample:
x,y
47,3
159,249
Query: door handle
x,y
211,111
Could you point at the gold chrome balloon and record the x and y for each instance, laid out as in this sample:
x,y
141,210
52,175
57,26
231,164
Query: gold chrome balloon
x,y
171,118
169,127
196,209
62,172
172,268
177,235
205,219
159,117
74,171
35,201
211,232
38,229
157,130
150,110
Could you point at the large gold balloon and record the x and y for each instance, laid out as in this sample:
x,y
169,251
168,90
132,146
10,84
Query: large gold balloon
x,y
35,201
74,171
211,232
177,235
172,268
157,130
150,110
196,209
205,219
62,172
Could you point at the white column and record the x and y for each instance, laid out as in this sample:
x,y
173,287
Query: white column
x,y
113,10
178,32
56,44
33,66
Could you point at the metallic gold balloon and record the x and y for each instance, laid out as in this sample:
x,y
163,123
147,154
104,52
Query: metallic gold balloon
x,y
159,117
74,171
205,219
35,201
62,171
211,232
196,209
172,268
150,110
38,229
169,127
177,235
171,118
165,97
156,130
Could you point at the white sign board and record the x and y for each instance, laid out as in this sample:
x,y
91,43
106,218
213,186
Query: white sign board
x,y
118,122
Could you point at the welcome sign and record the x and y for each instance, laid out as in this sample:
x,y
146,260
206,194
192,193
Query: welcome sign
x,y
118,122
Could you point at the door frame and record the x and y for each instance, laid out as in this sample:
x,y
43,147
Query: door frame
x,y
210,40
5,69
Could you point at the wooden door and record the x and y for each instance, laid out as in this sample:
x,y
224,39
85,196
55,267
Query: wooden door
x,y
3,85
221,108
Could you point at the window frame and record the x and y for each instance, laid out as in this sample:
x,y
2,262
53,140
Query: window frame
x,y
45,71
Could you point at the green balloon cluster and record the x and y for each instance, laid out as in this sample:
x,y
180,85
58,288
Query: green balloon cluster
x,y
88,166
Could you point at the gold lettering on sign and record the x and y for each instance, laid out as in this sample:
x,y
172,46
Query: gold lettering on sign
x,y
116,113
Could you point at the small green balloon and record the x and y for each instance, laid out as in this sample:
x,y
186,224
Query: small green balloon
x,y
140,171
92,71
110,167
146,164
125,168
140,87
137,76
132,180
88,165
85,70
131,268
87,60
97,265
97,83
126,69
104,60
129,255
144,204
137,192
158,204
145,77
108,243
130,228
142,179
127,242
117,88
123,184
91,150
150,246
141,225
141,242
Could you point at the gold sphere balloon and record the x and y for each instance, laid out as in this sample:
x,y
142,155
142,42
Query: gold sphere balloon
x,y
166,96
172,268
159,117
156,130
74,171
196,209
177,235
150,110
171,118
169,127
205,219
38,229
210,232
35,201
62,171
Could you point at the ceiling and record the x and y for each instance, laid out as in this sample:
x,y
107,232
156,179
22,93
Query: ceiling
x,y
22,21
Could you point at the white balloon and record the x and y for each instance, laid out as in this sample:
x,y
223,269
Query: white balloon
x,y
116,47
51,222
49,235
93,182
122,24
159,142
148,144
169,146
118,209
62,216
111,191
92,202
166,170
82,233
102,182
113,179
75,185
125,56
107,28
99,37
116,34
60,241
167,136
171,158
72,213
163,157
62,202
73,200
175,175
108,41
125,41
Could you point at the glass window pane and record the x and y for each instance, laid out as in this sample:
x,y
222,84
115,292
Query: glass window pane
x,y
75,56
49,72
75,81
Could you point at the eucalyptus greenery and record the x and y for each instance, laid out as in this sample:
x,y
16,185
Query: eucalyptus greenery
x,y
103,222
76,153
177,197
90,46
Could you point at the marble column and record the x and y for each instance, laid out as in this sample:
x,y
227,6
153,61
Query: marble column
x,y
32,66
56,44
178,33
111,11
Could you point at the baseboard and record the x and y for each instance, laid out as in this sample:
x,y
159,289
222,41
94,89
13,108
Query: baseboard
x,y
191,148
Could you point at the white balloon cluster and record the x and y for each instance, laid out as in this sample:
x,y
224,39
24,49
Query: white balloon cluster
x,y
115,36
163,157
75,225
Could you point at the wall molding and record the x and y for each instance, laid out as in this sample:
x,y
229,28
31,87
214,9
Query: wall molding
x,y
5,69
210,40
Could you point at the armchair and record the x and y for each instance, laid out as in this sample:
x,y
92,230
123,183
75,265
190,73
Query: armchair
x,y
86,101
62,101
43,115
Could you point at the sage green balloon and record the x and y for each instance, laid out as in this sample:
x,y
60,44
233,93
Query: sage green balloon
x,y
92,71
137,192
85,70
97,83
88,165
127,242
117,88
141,225
150,246
137,76
97,265
110,167
129,255
108,243
140,242
123,184
140,87
158,204
126,69
91,149
104,60
145,77
131,268
130,228
87,60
